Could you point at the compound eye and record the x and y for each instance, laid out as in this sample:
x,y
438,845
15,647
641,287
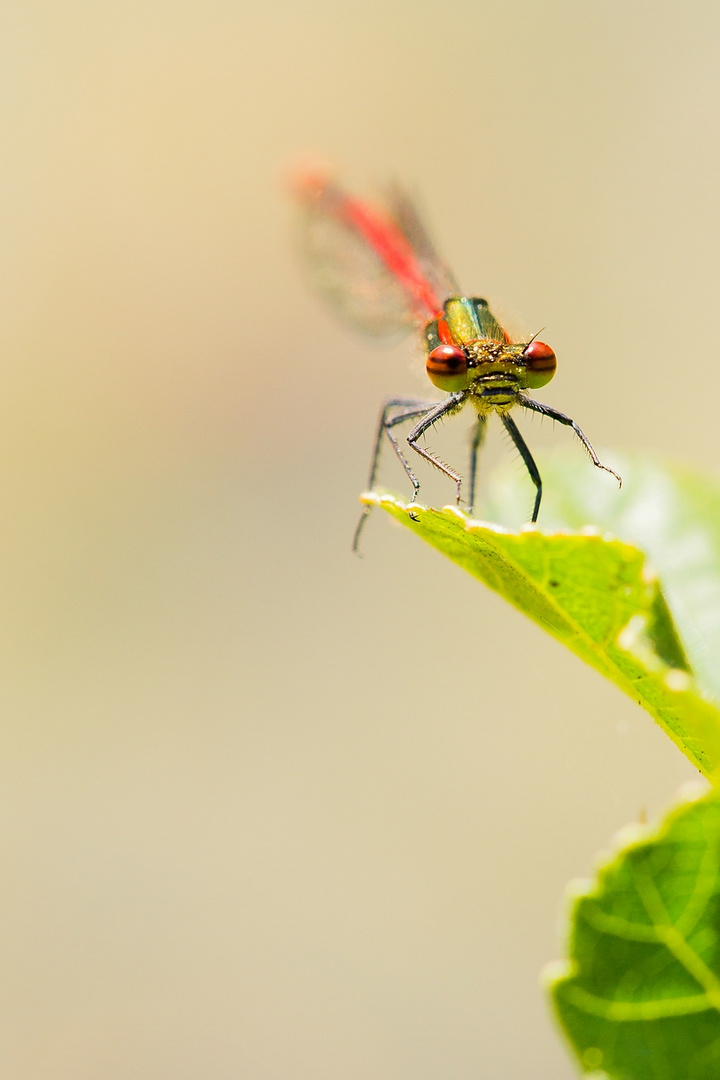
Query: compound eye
x,y
447,368
540,364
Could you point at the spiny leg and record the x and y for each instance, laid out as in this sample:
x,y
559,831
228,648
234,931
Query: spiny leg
x,y
546,410
451,404
410,407
477,441
512,430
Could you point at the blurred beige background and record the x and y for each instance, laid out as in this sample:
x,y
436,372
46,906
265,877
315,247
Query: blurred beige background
x,y
269,811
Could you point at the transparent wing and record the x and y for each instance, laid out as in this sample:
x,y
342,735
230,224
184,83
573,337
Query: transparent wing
x,y
352,276
364,260
406,217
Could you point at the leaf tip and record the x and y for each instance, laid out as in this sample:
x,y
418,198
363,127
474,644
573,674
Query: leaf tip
x,y
677,680
630,835
556,971
579,887
631,635
690,792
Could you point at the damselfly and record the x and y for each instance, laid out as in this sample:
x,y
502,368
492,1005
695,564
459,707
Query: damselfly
x,y
379,268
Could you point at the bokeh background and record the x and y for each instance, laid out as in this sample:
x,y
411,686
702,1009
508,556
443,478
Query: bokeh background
x,y
267,810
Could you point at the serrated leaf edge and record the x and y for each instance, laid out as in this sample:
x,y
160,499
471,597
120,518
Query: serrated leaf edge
x,y
556,973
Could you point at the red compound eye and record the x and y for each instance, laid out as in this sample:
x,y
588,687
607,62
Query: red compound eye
x,y
540,363
447,360
447,368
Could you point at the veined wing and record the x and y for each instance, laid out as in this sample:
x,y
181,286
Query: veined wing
x,y
363,261
405,215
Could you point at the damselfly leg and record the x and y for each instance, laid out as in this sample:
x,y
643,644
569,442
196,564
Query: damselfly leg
x,y
477,441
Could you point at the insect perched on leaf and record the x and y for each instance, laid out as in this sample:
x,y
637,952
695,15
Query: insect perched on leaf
x,y
378,267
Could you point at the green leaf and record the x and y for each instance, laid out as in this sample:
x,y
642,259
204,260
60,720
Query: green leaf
x,y
639,998
672,513
598,594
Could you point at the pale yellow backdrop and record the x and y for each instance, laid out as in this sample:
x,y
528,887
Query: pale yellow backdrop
x,y
268,811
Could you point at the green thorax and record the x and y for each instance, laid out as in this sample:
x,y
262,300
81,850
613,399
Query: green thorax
x,y
465,320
